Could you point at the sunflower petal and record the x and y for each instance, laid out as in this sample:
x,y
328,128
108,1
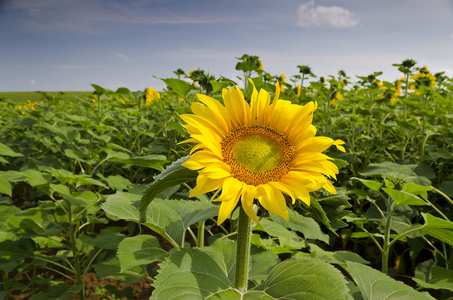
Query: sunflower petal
x,y
247,197
226,208
204,185
231,188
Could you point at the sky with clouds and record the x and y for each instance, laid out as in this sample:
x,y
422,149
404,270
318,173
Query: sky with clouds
x,y
67,45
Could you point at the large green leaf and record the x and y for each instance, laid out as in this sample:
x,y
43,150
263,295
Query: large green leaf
x,y
404,198
390,169
7,151
179,86
438,228
169,218
208,273
139,250
218,86
371,184
5,186
335,257
106,239
110,268
376,285
305,225
13,253
440,278
302,278
192,274
173,175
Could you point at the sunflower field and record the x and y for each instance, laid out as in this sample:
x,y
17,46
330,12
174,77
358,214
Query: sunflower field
x,y
264,186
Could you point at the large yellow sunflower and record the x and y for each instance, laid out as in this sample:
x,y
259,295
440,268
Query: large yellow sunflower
x,y
258,151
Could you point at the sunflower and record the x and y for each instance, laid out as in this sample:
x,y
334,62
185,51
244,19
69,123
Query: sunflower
x,y
259,151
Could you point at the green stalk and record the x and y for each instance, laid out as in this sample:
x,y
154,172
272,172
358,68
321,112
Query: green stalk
x,y
200,234
243,250
75,253
387,244
422,147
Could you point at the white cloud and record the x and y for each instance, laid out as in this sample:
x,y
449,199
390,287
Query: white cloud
x,y
310,15
33,82
123,57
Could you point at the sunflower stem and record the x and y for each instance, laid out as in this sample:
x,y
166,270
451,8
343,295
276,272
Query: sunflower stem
x,y
243,250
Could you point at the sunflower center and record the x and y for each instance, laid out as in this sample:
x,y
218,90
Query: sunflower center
x,y
257,154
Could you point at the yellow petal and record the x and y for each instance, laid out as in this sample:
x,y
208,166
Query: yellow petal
x,y
259,103
213,117
203,126
300,191
205,157
231,188
204,185
315,144
281,187
210,143
236,106
192,164
330,188
272,200
218,109
337,144
226,208
218,170
247,197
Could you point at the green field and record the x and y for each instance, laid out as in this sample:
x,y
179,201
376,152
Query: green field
x,y
99,194
22,97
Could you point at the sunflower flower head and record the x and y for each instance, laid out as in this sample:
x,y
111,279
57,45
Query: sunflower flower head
x,y
262,151
151,95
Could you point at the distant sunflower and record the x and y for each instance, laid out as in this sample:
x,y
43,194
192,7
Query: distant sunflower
x,y
261,151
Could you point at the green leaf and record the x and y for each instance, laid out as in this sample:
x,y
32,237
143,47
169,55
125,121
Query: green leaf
x,y
287,238
120,205
99,90
403,198
179,86
151,161
303,278
13,252
305,225
390,169
123,90
371,184
317,212
118,182
441,278
335,257
139,250
7,151
106,239
171,218
5,187
376,285
111,269
218,86
438,228
36,178
207,273
192,274
173,175
416,189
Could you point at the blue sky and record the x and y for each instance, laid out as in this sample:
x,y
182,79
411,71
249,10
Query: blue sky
x,y
67,45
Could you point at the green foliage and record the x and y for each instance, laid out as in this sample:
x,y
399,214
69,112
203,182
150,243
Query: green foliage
x,y
79,171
